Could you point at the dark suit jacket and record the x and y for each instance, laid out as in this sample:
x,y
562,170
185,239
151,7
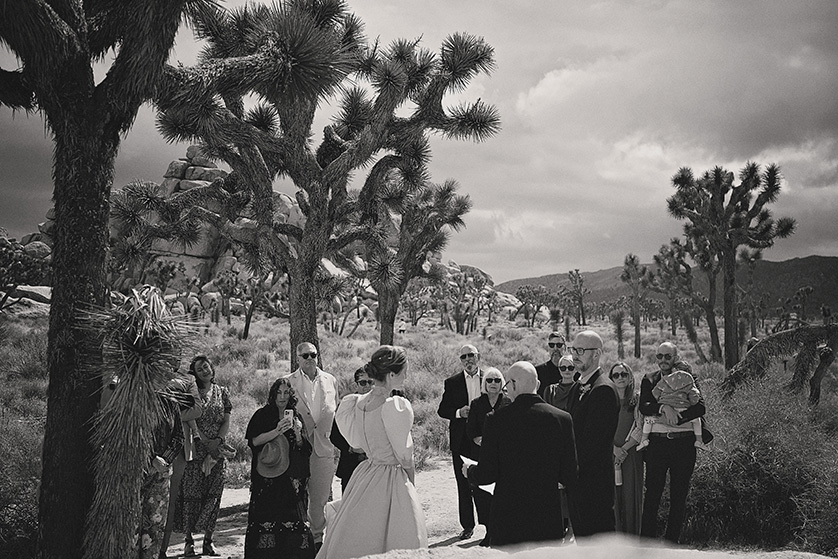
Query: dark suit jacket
x,y
478,410
548,373
528,449
348,460
595,412
455,396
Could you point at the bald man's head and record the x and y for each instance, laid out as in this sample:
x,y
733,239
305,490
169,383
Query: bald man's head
x,y
587,350
522,379
667,355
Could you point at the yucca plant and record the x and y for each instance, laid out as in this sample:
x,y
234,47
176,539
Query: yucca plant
x,y
141,344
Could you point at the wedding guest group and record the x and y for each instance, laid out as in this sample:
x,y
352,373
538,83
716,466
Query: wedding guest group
x,y
538,464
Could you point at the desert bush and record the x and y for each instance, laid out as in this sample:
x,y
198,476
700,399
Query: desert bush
x,y
20,446
770,479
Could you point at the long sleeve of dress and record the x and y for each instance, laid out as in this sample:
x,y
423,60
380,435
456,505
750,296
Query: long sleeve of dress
x,y
345,420
397,414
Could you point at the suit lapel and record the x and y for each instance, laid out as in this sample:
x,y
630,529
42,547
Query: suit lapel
x,y
299,388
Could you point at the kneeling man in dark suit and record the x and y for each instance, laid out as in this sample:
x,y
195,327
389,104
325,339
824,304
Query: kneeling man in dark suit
x,y
527,451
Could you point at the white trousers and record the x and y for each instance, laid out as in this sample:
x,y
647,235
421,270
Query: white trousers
x,y
319,488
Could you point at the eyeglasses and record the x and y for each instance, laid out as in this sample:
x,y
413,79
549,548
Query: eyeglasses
x,y
555,344
364,382
507,384
664,356
567,368
467,355
493,380
620,375
312,355
580,351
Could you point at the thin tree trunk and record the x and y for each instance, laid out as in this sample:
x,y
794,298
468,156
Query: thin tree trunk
x,y
693,337
302,310
83,173
731,319
636,316
710,315
388,308
673,317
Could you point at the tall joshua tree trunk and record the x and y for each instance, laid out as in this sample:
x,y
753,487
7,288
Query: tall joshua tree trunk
x,y
388,307
83,174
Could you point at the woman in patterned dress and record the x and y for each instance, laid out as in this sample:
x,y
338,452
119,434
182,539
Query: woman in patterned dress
x,y
203,480
277,516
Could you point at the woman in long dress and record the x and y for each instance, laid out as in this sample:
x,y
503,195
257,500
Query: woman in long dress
x,y
199,500
629,496
380,510
277,517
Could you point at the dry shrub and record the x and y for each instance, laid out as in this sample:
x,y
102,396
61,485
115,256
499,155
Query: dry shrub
x,y
771,478
20,446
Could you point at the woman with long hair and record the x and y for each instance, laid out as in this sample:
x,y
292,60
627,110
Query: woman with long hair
x,y
380,510
276,517
628,463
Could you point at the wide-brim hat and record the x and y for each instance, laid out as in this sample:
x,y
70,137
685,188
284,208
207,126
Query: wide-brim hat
x,y
273,458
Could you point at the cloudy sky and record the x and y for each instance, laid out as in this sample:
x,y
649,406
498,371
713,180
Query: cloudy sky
x,y
601,103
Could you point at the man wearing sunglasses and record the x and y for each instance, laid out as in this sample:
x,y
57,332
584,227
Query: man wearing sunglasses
x,y
595,407
548,372
317,400
671,449
458,391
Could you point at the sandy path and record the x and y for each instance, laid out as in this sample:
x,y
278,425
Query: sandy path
x,y
437,491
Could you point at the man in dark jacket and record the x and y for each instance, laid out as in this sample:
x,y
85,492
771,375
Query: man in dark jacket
x,y
527,451
595,407
457,394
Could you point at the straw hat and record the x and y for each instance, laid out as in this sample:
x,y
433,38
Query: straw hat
x,y
273,458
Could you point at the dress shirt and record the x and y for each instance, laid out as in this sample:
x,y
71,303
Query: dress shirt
x,y
472,386
313,395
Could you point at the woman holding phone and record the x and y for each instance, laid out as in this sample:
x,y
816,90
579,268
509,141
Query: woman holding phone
x,y
276,518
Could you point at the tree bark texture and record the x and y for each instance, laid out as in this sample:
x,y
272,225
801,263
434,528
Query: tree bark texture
x,y
388,308
731,318
83,173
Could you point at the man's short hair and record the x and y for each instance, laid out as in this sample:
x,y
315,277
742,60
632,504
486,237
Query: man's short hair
x,y
556,334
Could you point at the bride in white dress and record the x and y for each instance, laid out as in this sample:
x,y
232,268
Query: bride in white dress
x,y
380,509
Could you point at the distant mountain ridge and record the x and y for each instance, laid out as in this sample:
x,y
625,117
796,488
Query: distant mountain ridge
x,y
777,279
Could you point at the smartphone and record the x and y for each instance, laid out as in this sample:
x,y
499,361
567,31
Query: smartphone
x,y
289,414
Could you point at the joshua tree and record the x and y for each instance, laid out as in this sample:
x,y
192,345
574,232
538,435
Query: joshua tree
x,y
727,216
533,298
273,139
140,341
419,224
801,296
618,319
576,294
57,43
633,275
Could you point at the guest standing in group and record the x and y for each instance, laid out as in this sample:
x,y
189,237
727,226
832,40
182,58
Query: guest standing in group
x,y
671,449
380,510
350,457
595,407
628,504
458,392
558,394
492,399
203,478
548,372
277,518
317,400
527,451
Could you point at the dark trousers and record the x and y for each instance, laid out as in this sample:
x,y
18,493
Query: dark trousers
x,y
676,456
465,497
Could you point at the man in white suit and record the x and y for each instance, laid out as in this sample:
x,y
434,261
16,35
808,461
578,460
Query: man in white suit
x,y
317,399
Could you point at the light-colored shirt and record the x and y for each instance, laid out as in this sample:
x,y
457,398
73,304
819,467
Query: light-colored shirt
x,y
313,395
586,378
473,386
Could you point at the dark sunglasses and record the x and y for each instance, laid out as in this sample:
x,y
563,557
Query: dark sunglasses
x,y
312,355
467,355
363,382
567,368
555,344
664,356
620,375
493,380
